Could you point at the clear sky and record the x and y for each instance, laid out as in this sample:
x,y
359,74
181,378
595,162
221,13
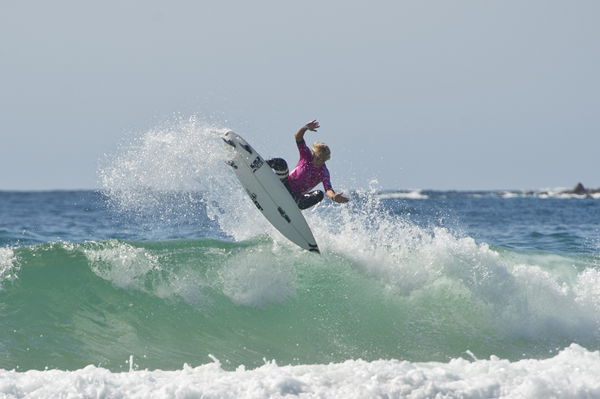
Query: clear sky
x,y
494,94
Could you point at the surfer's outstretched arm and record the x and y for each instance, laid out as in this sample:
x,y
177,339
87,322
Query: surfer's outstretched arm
x,y
312,126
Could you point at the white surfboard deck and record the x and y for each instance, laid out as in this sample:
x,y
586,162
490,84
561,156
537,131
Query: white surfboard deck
x,y
268,192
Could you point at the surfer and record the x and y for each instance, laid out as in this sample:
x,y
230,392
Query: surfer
x,y
310,171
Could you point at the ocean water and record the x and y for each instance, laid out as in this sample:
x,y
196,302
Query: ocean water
x,y
168,282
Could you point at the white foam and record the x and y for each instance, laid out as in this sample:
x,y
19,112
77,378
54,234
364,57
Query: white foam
x,y
508,194
570,196
414,194
8,265
572,373
528,296
120,263
587,291
558,193
138,268
256,278
259,276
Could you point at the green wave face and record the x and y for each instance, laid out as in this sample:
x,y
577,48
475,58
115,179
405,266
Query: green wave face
x,y
167,303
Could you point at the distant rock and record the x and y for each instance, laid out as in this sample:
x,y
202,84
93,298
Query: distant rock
x,y
580,190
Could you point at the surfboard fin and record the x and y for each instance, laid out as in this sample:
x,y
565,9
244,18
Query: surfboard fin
x,y
232,164
230,142
246,147
284,215
314,248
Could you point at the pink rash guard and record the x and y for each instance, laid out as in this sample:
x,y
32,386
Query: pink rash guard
x,y
305,176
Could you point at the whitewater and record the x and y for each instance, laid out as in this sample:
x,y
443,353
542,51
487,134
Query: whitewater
x,y
159,285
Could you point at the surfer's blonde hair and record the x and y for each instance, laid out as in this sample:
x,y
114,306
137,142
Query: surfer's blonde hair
x,y
321,150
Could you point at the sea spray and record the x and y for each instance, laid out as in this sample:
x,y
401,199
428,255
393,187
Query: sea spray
x,y
176,156
169,172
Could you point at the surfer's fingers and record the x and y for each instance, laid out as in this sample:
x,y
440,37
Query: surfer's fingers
x,y
310,124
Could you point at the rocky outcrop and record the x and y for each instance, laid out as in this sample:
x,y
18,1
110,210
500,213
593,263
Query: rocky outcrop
x,y
580,190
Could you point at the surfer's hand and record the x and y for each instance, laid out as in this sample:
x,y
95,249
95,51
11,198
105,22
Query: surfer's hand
x,y
339,198
312,125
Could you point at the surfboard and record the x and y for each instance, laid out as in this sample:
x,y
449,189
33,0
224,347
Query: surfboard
x,y
267,192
